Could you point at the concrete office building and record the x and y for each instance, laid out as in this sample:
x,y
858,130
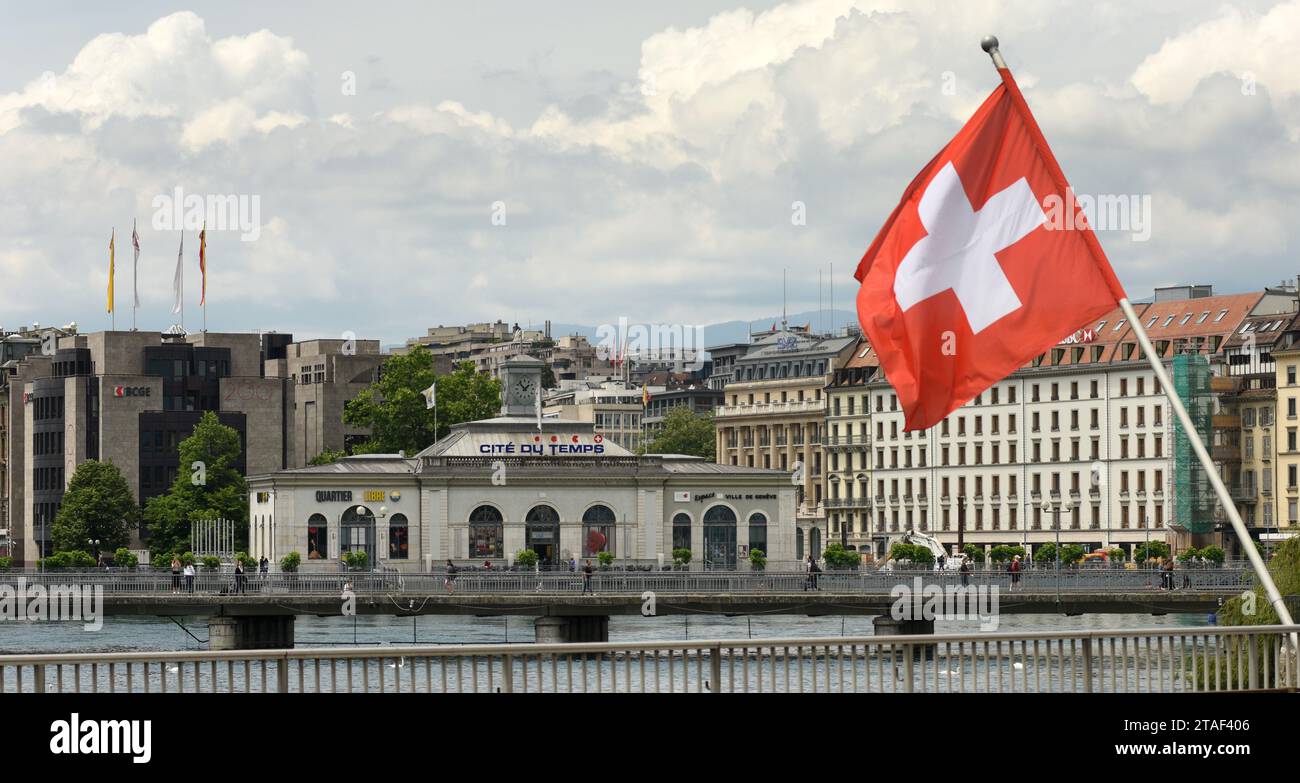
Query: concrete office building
x,y
492,488
130,397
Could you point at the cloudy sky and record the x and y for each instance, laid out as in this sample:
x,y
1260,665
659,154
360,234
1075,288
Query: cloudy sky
x,y
423,163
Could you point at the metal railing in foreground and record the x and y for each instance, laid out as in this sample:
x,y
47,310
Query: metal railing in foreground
x,y
1133,661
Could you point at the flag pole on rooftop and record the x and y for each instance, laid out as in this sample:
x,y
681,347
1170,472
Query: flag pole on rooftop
x,y
990,45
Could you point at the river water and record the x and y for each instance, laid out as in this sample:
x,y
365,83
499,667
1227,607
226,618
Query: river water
x,y
120,634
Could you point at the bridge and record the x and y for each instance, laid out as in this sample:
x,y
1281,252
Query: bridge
x,y
260,611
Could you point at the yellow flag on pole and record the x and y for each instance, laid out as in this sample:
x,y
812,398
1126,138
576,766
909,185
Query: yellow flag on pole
x,y
111,264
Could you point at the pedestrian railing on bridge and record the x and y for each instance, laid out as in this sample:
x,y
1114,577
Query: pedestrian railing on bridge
x,y
630,582
1128,661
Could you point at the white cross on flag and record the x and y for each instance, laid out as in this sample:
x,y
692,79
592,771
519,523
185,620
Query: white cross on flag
x,y
967,280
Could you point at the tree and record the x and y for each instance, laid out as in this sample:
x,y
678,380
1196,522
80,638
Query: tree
x,y
96,506
326,457
548,378
207,487
1150,551
394,410
684,432
836,556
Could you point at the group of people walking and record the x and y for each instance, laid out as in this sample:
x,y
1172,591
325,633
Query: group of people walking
x,y
187,572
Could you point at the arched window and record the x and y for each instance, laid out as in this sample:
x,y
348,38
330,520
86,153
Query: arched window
x,y
798,545
815,542
542,533
597,531
485,524
318,539
720,537
357,532
682,531
758,532
398,541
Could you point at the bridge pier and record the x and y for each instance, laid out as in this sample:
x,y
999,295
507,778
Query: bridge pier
x,y
258,632
886,625
574,629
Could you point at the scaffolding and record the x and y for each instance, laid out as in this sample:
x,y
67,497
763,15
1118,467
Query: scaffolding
x,y
1194,500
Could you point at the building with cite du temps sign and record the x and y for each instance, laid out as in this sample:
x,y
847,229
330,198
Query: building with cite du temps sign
x,y
495,487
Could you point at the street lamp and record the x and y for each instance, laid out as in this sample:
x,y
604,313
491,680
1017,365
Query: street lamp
x,y
93,543
1055,509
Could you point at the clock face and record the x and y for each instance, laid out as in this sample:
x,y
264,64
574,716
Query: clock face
x,y
524,389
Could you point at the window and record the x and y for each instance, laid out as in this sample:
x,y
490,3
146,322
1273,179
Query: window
x,y
317,538
681,532
485,534
758,532
597,530
398,548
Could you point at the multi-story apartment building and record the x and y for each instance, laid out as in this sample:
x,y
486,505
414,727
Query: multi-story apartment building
x,y
774,417
1286,355
1083,434
130,397
698,399
847,445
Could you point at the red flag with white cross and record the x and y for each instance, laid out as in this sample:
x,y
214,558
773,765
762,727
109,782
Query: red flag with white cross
x,y
969,279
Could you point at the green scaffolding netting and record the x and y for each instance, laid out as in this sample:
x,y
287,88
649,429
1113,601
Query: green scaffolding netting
x,y
1193,496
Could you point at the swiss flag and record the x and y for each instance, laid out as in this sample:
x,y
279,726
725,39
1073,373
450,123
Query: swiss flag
x,y
978,270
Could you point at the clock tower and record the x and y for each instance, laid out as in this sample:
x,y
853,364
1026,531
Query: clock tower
x,y
521,377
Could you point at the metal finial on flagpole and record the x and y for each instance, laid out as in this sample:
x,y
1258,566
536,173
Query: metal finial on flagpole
x,y
990,45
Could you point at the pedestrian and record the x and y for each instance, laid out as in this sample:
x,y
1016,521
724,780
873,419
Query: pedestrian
x,y
1014,568
450,581
964,569
813,571
189,577
487,565
239,576
573,564
176,574
941,562
586,579
263,571
1167,575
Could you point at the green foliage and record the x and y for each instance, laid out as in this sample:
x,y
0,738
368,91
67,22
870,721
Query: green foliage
x,y
526,558
222,494
187,558
1150,550
394,410
1188,553
211,562
1045,553
356,559
914,553
975,553
97,505
1284,567
1116,554
327,457
684,432
681,555
1005,554
125,558
757,559
61,560
605,558
548,378
6,563
836,556
246,560
1071,554
1216,555
290,562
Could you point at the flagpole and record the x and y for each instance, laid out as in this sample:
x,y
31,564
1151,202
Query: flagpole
x,y
990,45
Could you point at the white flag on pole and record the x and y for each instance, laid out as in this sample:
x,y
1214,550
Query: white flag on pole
x,y
430,396
178,282
135,273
